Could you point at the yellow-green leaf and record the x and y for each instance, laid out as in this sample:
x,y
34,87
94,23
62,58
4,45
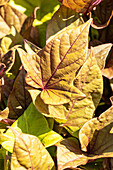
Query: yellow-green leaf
x,y
29,153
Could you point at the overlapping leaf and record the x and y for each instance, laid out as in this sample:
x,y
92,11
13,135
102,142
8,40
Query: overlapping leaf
x,y
12,17
31,122
61,19
101,53
96,138
89,81
108,70
58,86
29,153
7,61
4,28
80,6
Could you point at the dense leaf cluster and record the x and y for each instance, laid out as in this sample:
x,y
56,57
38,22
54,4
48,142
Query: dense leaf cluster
x,y
56,84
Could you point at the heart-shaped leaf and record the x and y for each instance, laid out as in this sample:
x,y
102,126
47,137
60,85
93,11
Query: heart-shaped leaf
x,y
29,153
80,6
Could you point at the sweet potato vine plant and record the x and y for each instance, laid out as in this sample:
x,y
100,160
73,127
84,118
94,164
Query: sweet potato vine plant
x,y
55,84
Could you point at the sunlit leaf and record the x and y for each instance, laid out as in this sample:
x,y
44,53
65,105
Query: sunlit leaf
x,y
50,71
80,6
29,153
69,154
4,28
101,53
12,16
4,114
31,122
89,81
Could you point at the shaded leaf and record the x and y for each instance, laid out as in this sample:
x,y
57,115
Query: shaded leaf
x,y
7,86
108,70
19,99
28,31
81,6
7,61
33,47
69,154
44,14
50,71
61,19
103,10
96,135
108,163
10,40
29,153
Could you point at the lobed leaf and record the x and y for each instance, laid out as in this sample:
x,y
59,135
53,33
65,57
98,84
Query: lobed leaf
x,y
50,71
29,153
